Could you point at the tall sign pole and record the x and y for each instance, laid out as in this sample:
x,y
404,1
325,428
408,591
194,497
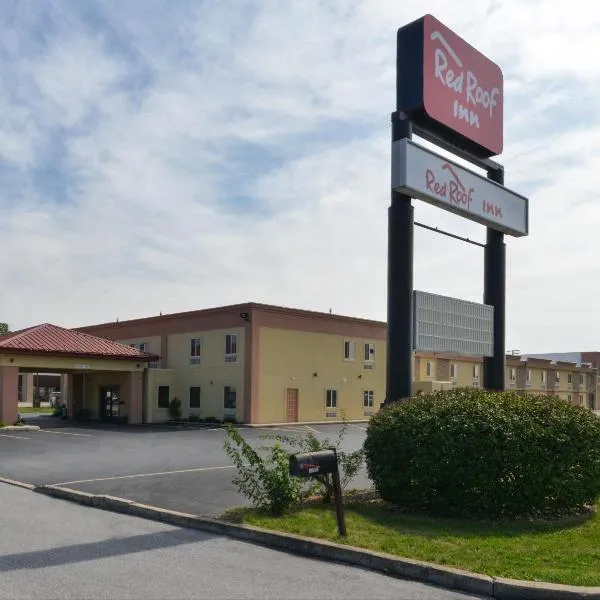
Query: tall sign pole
x,y
400,283
494,294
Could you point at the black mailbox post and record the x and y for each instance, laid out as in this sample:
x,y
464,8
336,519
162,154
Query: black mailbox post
x,y
322,462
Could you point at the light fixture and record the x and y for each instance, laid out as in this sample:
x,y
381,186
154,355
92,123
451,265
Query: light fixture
x,y
245,316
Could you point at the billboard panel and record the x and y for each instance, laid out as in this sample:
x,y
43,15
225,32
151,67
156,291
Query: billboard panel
x,y
443,324
450,88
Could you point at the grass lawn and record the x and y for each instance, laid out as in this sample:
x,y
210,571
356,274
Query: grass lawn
x,y
551,552
28,409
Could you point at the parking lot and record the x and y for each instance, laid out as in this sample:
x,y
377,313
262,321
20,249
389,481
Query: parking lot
x,y
180,468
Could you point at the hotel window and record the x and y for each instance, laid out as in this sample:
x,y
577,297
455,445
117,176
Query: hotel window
x,y
231,344
557,375
580,379
369,352
528,375
513,374
331,398
428,369
453,370
142,346
350,350
229,398
195,397
475,371
543,375
581,399
368,398
163,396
195,350
569,378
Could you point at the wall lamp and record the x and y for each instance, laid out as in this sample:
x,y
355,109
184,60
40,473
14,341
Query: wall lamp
x,y
245,316
315,374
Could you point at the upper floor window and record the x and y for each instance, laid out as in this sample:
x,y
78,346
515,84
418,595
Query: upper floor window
x,y
475,371
528,375
428,369
543,376
349,350
369,352
195,350
569,378
513,374
231,347
453,370
141,346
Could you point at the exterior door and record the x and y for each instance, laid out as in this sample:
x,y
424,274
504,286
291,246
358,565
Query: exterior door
x,y
291,407
110,405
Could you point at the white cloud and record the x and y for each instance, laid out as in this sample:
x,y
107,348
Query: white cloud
x,y
173,159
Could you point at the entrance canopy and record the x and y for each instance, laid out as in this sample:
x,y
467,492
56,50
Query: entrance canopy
x,y
82,358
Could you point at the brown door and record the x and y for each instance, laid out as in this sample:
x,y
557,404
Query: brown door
x,y
291,409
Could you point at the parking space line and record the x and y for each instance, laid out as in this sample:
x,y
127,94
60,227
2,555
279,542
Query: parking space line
x,y
142,475
66,433
313,430
357,426
16,437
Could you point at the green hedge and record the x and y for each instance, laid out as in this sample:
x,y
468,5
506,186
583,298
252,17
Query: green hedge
x,y
474,453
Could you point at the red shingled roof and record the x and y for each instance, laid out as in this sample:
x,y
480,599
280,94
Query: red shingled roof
x,y
52,340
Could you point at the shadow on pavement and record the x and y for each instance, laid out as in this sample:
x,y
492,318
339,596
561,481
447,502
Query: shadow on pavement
x,y
76,553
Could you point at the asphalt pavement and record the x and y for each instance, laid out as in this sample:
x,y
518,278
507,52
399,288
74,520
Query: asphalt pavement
x,y
183,469
54,549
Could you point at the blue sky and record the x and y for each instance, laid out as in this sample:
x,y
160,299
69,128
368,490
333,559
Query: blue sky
x,y
174,155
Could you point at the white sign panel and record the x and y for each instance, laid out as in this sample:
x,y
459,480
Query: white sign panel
x,y
443,324
432,178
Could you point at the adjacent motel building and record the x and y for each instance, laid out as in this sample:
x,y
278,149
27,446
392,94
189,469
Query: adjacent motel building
x,y
256,363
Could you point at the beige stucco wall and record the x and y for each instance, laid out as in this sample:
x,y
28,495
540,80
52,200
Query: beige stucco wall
x,y
154,379
212,373
289,359
154,343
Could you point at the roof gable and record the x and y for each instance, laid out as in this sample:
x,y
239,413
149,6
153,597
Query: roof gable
x,y
53,340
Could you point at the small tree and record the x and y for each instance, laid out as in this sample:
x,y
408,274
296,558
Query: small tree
x,y
4,329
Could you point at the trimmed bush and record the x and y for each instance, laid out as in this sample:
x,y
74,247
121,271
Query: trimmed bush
x,y
474,453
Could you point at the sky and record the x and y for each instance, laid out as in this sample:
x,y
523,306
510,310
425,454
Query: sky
x,y
171,155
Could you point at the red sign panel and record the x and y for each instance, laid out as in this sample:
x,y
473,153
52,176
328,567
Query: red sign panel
x,y
462,89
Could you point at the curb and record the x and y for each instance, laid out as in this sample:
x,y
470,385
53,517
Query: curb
x,y
21,484
20,428
447,577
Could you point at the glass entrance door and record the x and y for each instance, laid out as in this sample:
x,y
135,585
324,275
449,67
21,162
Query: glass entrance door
x,y
110,402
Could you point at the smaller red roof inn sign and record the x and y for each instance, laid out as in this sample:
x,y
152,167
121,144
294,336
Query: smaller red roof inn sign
x,y
449,88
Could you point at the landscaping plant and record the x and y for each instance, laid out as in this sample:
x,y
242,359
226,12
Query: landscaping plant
x,y
349,462
263,479
482,454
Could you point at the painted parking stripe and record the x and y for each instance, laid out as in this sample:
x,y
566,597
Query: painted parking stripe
x,y
16,437
143,475
357,427
65,433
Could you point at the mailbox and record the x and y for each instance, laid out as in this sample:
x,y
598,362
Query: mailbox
x,y
310,464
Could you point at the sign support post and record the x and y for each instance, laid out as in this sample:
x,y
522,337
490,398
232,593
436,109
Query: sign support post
x,y
494,294
400,283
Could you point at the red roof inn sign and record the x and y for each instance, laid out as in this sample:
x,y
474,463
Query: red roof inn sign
x,y
451,95
446,82
423,174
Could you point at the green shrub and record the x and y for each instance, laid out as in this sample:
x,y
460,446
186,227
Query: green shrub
x,y
264,480
349,462
475,453
175,409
